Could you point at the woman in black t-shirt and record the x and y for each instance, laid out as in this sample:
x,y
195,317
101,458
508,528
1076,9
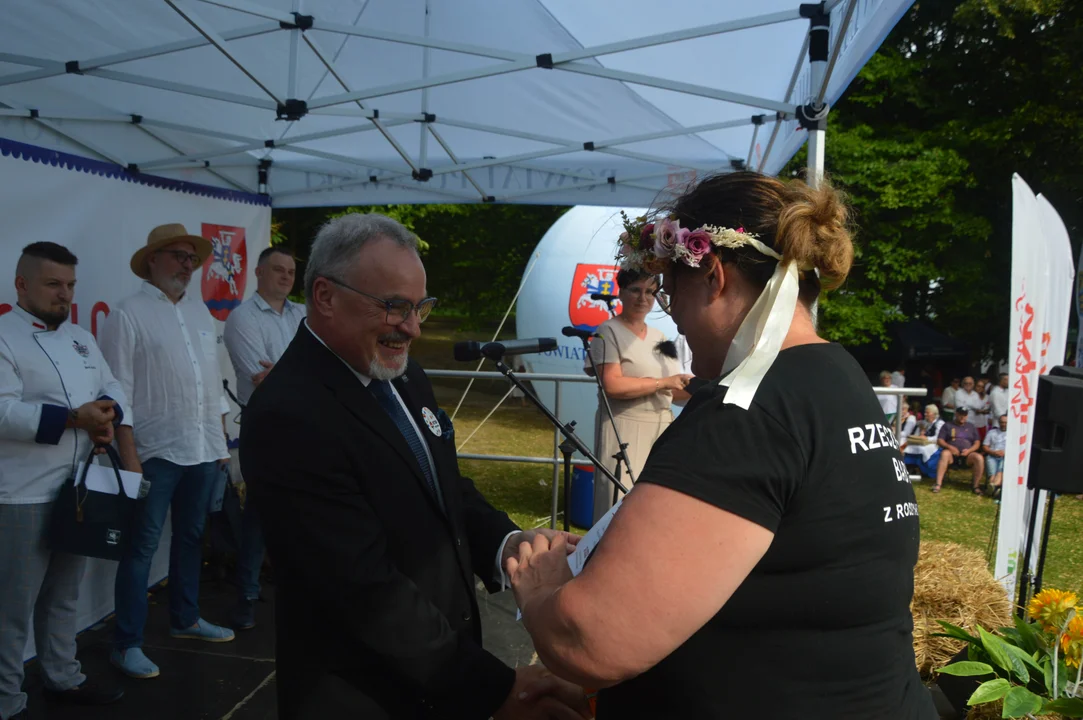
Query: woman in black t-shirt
x,y
763,564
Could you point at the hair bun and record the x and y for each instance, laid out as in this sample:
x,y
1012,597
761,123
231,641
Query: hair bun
x,y
814,230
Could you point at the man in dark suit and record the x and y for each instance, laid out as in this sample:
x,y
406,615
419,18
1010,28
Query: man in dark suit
x,y
374,535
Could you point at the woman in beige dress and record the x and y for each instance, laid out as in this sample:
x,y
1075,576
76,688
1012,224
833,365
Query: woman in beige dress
x,y
641,379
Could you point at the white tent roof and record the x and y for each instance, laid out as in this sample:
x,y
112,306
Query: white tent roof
x,y
635,100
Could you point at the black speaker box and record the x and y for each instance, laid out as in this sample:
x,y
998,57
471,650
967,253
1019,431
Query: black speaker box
x,y
1056,457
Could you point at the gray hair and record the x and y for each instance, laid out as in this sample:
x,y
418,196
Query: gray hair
x,y
338,242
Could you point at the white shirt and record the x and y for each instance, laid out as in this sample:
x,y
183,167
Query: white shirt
x,y
889,403
365,380
969,400
254,332
996,439
898,379
43,374
998,402
165,356
948,398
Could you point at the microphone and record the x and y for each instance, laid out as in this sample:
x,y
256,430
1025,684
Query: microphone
x,y
602,296
472,349
577,333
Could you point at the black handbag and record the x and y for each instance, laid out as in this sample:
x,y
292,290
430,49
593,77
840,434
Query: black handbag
x,y
91,523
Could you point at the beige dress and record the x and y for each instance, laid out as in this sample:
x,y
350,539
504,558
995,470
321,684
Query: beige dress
x,y
640,421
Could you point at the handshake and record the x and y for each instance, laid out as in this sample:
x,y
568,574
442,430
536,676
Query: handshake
x,y
96,417
539,695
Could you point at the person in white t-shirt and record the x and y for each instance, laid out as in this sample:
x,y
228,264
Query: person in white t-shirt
x,y
967,397
162,345
996,442
947,399
898,378
889,403
999,400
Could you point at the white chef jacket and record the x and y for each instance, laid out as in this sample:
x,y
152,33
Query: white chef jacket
x,y
254,332
43,374
165,356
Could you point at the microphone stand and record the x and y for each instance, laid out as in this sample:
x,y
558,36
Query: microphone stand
x,y
571,440
622,447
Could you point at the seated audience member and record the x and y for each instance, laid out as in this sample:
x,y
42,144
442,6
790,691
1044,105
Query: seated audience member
x,y
996,441
926,456
959,442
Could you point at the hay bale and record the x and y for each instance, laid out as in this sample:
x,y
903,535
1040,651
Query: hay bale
x,y
953,583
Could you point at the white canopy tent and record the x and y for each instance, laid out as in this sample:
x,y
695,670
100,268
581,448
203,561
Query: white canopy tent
x,y
336,102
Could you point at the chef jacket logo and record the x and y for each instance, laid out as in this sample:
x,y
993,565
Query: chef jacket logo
x,y
584,313
224,272
83,350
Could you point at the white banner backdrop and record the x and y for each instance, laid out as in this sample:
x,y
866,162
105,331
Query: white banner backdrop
x,y
1041,287
103,215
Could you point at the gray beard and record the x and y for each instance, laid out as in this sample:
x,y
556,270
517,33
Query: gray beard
x,y
379,371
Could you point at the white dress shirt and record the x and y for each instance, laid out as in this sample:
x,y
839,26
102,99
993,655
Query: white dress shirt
x,y
998,402
996,439
43,374
498,570
165,356
947,400
256,331
898,379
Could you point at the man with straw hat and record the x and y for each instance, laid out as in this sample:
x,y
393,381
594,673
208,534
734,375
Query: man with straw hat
x,y
162,345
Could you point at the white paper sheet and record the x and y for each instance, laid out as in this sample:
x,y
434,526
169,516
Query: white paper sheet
x,y
102,479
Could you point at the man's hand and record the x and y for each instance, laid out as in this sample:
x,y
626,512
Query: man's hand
x,y
258,377
539,695
964,453
511,547
954,451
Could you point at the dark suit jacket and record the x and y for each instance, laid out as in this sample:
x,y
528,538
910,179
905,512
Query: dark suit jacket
x,y
376,615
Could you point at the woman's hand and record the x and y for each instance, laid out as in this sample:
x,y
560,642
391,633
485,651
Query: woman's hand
x,y
539,569
675,382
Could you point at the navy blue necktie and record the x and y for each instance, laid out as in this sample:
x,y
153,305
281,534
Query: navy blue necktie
x,y
381,389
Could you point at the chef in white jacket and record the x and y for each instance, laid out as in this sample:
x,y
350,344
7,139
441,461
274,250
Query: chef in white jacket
x,y
57,399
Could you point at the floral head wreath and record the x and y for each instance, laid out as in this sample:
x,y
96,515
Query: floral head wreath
x,y
651,247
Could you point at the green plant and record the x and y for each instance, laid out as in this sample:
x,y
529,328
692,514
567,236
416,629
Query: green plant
x,y
1031,664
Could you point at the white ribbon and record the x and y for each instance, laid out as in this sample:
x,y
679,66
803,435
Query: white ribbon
x,y
759,339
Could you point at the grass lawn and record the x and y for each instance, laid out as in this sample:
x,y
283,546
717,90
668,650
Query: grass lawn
x,y
524,491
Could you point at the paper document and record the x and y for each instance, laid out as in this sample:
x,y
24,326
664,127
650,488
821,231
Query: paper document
x,y
102,479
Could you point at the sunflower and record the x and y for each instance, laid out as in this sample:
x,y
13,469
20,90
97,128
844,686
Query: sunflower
x,y
1071,642
1051,607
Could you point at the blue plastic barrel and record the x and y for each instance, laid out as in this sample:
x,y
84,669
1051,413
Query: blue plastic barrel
x,y
581,512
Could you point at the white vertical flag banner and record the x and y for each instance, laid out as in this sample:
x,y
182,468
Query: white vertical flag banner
x,y
102,213
1041,286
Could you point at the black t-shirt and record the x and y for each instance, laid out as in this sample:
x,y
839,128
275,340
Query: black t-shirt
x,y
821,628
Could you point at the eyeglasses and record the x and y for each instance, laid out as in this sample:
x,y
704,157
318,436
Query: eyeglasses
x,y
662,298
398,311
180,256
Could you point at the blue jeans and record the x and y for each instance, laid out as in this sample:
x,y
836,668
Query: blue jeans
x,y
188,490
993,465
249,554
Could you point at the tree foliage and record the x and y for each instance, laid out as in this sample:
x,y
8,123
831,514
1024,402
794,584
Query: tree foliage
x,y
963,94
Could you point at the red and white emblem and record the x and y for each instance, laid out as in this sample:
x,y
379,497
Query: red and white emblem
x,y
430,420
589,279
224,273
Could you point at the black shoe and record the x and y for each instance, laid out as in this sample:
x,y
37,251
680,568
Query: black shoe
x,y
88,693
244,615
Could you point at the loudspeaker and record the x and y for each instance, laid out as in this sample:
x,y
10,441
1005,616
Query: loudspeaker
x,y
1056,457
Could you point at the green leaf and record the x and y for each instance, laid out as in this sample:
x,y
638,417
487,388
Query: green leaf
x,y
1031,639
1068,707
1019,701
1025,658
990,691
954,631
967,668
1002,657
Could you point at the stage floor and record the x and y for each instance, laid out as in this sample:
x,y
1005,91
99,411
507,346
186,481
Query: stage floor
x,y
227,681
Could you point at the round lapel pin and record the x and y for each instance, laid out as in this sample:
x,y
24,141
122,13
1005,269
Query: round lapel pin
x,y
431,421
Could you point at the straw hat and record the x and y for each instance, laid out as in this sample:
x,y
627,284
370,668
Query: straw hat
x,y
164,235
